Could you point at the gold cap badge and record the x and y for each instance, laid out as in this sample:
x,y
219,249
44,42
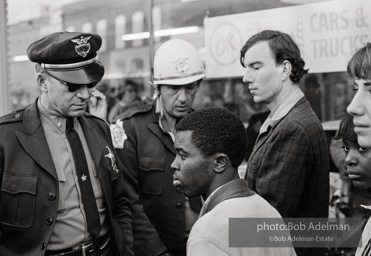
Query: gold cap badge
x,y
83,47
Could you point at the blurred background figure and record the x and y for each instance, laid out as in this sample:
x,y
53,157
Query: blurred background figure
x,y
128,93
253,128
110,94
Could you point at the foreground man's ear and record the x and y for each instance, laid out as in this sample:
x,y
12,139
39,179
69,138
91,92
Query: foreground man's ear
x,y
220,162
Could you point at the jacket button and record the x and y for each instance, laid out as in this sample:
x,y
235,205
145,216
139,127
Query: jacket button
x,y
51,196
43,246
178,205
49,221
178,190
17,115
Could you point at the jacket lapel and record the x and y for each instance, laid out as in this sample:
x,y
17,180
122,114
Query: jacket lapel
x,y
264,136
92,137
97,146
261,140
165,138
33,139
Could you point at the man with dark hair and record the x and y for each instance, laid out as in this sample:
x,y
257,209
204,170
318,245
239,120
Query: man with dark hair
x,y
144,139
210,145
62,191
289,165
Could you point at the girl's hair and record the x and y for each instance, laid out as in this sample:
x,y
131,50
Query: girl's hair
x,y
346,130
359,65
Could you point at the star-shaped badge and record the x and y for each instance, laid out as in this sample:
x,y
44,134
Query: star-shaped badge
x,y
84,177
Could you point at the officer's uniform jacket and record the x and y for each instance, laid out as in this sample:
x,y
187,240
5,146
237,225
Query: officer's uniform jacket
x,y
29,184
158,207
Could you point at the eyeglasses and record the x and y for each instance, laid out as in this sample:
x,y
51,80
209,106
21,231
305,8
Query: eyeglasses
x,y
71,86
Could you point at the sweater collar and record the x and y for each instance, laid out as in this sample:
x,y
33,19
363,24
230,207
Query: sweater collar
x,y
233,189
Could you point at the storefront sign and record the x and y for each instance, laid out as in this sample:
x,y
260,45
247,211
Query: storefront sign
x,y
327,34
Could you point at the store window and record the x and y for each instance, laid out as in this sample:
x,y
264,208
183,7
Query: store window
x,y
157,20
71,29
136,66
120,30
137,27
87,27
328,92
102,31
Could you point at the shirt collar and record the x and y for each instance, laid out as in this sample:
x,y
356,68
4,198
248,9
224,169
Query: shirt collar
x,y
207,201
232,189
162,119
282,109
52,117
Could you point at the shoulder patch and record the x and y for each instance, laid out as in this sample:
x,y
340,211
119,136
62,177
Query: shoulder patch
x,y
133,109
15,116
118,135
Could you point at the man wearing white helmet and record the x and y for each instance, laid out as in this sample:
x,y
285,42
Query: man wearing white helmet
x,y
162,215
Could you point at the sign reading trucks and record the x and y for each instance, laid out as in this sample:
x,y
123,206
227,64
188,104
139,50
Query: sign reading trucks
x,y
327,34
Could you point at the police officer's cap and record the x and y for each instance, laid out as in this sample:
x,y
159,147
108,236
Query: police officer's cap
x,y
69,56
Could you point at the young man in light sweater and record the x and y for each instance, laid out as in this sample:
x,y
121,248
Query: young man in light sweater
x,y
210,145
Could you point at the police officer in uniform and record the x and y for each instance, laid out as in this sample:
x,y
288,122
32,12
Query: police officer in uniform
x,y
62,192
144,141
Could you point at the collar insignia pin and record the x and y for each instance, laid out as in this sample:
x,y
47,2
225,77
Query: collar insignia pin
x,y
82,46
111,156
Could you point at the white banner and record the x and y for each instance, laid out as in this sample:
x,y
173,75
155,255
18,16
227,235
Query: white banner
x,y
327,34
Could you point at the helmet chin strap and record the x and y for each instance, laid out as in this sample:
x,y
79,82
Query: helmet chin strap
x,y
166,122
156,93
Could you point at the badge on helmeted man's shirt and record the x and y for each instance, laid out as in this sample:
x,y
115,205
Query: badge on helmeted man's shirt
x,y
118,134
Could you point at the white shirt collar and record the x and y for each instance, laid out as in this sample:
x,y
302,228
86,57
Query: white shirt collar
x,y
282,109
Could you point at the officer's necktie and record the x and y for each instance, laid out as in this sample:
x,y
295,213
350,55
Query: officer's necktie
x,y
87,194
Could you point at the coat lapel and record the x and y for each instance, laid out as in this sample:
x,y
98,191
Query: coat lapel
x,y
261,140
165,138
33,139
264,136
97,149
92,138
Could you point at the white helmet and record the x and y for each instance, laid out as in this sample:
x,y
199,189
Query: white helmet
x,y
177,62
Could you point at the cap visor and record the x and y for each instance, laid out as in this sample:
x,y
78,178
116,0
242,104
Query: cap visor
x,y
86,75
181,80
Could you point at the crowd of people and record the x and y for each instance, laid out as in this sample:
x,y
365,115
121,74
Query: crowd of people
x,y
156,177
